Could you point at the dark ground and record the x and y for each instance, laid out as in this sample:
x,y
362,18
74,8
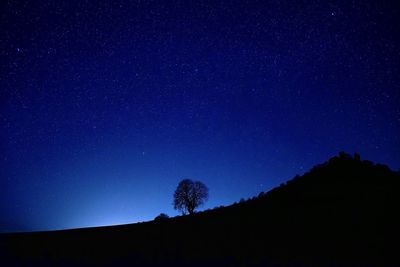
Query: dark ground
x,y
344,212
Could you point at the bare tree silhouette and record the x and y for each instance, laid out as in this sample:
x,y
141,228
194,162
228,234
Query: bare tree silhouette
x,y
189,195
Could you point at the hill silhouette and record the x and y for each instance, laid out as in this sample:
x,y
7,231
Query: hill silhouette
x,y
341,213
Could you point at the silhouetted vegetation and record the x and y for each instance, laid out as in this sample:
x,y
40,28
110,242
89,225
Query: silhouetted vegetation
x,y
161,217
189,195
341,213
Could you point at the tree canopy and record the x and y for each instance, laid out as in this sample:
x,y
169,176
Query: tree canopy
x,y
189,195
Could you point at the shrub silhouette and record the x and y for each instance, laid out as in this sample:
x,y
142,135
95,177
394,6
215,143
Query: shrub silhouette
x,y
189,195
161,217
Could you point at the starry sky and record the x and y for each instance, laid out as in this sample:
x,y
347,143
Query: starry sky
x,y
106,105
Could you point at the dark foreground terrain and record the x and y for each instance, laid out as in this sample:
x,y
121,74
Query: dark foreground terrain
x,y
344,212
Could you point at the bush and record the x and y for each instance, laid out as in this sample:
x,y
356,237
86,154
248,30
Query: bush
x,y
161,217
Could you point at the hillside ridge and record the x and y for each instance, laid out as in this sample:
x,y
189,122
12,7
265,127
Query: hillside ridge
x,y
342,212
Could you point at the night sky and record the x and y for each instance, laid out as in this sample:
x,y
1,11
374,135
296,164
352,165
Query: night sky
x,y
106,105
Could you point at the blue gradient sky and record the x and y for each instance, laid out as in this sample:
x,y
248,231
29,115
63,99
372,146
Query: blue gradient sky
x,y
107,105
